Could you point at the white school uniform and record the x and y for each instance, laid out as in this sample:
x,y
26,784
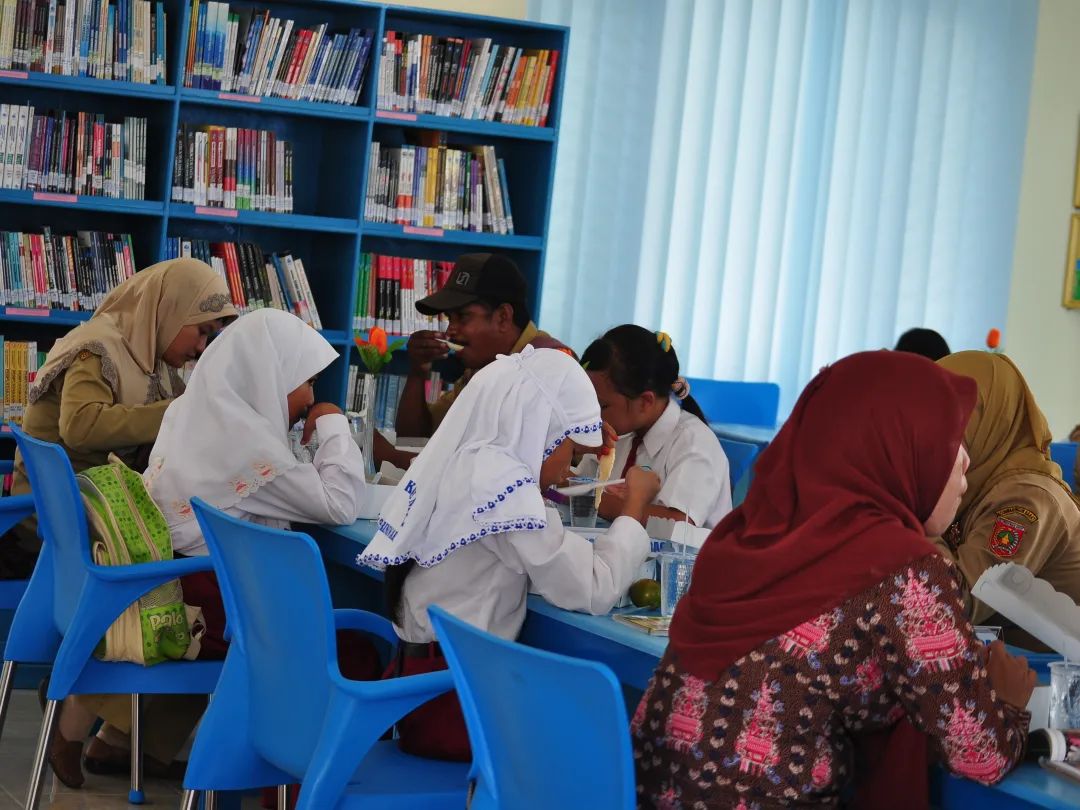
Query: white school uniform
x,y
226,441
686,454
469,512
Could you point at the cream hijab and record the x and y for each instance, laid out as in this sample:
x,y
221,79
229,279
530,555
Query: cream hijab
x,y
135,325
1008,433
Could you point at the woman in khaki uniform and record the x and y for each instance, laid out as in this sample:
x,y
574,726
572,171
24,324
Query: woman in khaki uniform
x,y
1017,508
104,389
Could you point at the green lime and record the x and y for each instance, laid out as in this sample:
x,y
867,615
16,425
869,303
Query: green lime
x,y
645,593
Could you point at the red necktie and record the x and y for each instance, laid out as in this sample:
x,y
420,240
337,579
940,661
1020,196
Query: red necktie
x,y
632,458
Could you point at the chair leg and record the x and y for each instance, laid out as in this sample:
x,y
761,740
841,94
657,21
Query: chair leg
x,y
7,681
37,772
190,800
282,797
136,795
210,800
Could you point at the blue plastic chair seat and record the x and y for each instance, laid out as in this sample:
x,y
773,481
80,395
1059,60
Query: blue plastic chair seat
x,y
387,774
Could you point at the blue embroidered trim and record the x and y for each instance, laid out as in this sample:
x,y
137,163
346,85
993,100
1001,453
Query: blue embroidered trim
x,y
576,430
521,482
379,562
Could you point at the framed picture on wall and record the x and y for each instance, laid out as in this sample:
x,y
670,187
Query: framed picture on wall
x,y
1071,295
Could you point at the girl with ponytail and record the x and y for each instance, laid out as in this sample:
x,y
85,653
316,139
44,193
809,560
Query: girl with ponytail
x,y
645,400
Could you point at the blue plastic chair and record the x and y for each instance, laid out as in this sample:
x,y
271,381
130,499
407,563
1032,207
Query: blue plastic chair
x,y
14,509
283,712
740,456
71,602
739,403
1064,455
546,730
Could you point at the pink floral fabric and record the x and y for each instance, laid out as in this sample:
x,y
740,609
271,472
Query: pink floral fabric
x,y
781,727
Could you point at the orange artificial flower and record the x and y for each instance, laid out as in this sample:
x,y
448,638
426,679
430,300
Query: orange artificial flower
x,y
377,338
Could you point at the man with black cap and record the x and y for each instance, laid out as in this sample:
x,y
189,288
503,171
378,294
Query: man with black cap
x,y
485,300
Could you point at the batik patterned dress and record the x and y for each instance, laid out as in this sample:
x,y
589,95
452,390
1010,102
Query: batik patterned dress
x,y
780,726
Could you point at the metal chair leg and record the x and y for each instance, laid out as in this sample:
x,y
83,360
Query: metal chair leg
x,y
37,772
136,796
190,800
282,797
7,681
210,800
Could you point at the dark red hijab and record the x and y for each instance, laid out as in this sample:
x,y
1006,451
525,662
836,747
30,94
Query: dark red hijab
x,y
837,504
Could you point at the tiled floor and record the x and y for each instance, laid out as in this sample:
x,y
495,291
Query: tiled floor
x,y
99,793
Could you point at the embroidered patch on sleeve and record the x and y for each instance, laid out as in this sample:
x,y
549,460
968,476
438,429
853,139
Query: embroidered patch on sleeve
x,y
1018,511
1005,538
84,355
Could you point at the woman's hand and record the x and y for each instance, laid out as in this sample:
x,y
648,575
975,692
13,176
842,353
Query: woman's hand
x,y
642,487
1010,675
314,412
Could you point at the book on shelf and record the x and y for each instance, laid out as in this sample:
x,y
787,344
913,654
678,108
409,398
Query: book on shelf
x,y
75,153
388,289
456,77
62,271
21,360
438,186
121,40
382,393
653,625
255,279
248,51
233,167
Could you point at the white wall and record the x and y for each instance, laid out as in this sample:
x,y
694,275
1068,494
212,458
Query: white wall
x,y
1042,336
492,8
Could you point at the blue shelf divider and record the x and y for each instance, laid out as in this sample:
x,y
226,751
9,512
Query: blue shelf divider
x,y
331,142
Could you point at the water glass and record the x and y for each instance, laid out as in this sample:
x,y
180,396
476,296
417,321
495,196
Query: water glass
x,y
583,511
675,571
1064,695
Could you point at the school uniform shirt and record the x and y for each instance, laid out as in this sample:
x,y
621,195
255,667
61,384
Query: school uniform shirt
x,y
486,583
329,490
1026,518
687,456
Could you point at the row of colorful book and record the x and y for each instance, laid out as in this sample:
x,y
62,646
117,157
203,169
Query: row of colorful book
x,y
466,78
62,271
256,279
21,361
247,50
235,168
439,187
385,391
390,286
74,153
122,40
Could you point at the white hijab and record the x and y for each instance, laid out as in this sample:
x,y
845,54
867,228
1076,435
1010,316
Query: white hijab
x,y
479,475
228,434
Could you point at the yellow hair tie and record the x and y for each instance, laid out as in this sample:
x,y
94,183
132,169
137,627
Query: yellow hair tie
x,y
664,339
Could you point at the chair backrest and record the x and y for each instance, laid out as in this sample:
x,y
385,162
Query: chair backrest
x,y
61,521
277,601
740,403
1064,455
546,730
740,456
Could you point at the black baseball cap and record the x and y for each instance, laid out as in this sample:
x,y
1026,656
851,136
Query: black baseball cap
x,y
476,277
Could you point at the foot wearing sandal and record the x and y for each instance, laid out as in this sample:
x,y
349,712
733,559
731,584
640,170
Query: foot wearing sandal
x,y
64,758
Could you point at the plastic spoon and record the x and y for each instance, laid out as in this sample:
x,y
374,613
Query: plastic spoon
x,y
585,489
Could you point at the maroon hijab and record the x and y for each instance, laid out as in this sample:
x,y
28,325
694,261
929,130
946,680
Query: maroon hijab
x,y
837,504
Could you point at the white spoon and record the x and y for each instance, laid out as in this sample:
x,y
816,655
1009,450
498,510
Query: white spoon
x,y
585,489
454,347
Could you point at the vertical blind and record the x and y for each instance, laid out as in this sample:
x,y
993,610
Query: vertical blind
x,y
779,183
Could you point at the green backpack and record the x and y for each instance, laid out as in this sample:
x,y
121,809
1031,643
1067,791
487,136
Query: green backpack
x,y
127,527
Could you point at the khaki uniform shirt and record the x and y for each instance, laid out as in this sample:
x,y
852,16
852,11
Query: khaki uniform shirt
x,y
1026,519
530,336
79,413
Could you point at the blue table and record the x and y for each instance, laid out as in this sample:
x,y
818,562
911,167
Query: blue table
x,y
632,656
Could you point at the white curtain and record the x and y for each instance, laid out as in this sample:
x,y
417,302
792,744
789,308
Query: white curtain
x,y
779,183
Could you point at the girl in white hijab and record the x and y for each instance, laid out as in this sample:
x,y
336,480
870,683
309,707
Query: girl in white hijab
x,y
467,528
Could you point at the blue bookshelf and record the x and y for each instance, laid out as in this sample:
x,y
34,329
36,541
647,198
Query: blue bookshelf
x,y
331,145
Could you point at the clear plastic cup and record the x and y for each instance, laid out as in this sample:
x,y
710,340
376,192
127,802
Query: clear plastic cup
x,y
583,511
676,569
1064,695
